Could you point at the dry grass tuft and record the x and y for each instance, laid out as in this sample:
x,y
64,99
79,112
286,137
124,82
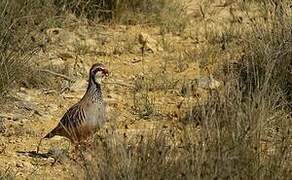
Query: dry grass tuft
x,y
18,42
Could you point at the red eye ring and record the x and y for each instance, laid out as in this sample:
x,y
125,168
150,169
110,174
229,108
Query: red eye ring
x,y
103,70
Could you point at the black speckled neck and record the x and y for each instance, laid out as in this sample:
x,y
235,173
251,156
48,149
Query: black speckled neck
x,y
94,89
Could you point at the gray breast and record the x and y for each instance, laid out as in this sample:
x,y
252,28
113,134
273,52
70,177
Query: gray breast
x,y
95,114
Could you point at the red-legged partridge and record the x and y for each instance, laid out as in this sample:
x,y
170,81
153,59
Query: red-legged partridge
x,y
86,116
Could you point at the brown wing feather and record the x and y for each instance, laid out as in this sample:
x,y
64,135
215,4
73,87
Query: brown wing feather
x,y
69,123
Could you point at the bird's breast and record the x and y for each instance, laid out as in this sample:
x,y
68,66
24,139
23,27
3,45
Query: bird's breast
x,y
95,114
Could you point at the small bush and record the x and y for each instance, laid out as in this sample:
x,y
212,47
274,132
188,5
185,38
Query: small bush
x,y
169,14
143,104
266,65
18,22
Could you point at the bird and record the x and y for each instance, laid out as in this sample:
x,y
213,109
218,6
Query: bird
x,y
87,115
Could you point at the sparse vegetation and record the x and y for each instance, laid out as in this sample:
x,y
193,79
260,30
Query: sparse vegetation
x,y
170,15
143,104
240,131
244,129
6,175
19,26
22,22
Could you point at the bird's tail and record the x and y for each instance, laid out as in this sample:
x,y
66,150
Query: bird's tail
x,y
50,134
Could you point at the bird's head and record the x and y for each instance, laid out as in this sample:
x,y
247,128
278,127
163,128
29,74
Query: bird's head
x,y
97,72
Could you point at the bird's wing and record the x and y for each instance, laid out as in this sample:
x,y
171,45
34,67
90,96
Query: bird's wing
x,y
69,122
73,118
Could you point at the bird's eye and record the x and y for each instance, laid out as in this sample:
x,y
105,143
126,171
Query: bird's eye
x,y
100,69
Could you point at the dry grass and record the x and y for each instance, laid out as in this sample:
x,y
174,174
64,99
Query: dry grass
x,y
23,21
170,15
18,27
241,136
244,129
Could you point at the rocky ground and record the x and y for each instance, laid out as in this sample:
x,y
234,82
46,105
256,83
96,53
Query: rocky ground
x,y
176,67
